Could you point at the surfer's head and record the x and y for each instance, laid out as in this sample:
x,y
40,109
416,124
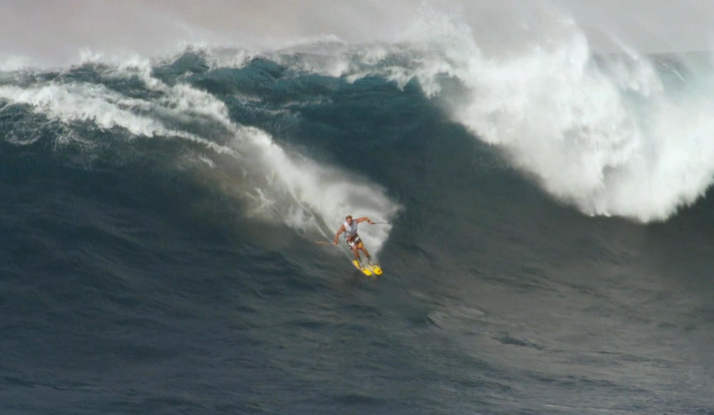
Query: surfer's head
x,y
349,219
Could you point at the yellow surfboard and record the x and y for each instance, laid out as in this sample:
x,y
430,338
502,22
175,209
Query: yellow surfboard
x,y
376,269
365,270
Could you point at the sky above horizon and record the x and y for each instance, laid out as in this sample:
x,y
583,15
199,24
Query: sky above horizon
x,y
56,31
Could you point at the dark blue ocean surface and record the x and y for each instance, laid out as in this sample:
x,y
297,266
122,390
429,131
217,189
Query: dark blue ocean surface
x,y
157,256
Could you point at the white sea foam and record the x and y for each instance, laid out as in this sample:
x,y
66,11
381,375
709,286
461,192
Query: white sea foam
x,y
608,137
105,108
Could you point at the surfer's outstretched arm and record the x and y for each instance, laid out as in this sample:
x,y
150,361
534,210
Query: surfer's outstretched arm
x,y
364,219
337,235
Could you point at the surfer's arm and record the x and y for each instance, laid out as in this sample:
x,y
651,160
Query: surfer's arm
x,y
364,219
339,231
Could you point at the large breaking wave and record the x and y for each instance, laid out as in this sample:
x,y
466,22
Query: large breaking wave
x,y
621,134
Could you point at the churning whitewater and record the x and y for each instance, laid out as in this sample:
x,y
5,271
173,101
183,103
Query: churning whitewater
x,y
544,234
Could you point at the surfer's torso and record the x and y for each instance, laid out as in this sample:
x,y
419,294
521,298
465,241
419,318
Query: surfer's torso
x,y
351,230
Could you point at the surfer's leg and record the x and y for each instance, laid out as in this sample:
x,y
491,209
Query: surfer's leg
x,y
365,252
355,245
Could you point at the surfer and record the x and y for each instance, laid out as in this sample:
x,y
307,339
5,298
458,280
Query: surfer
x,y
353,239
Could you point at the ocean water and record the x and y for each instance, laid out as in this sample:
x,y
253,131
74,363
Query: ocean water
x,y
549,247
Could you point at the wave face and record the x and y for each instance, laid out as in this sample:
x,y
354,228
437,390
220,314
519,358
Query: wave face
x,y
614,135
548,248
